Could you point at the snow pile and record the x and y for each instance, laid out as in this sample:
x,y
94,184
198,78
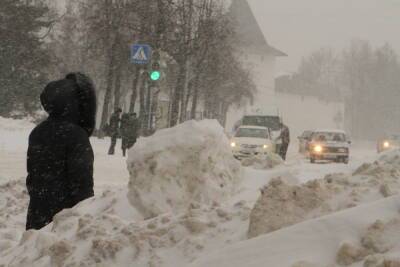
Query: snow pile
x,y
281,205
387,165
379,239
190,163
171,213
13,204
92,235
364,236
263,162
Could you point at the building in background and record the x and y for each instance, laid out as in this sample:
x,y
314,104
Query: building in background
x,y
258,56
298,112
255,52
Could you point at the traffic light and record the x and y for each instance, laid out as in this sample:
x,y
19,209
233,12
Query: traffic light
x,y
155,73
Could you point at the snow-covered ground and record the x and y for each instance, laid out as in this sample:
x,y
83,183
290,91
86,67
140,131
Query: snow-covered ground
x,y
316,243
111,230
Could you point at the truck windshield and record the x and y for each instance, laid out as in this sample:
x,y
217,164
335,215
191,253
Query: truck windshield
x,y
251,132
271,122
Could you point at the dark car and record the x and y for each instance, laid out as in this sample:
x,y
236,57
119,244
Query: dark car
x,y
332,145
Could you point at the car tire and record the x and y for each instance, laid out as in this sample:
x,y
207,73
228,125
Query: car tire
x,y
312,160
346,160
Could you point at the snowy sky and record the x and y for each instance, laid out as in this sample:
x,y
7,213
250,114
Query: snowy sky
x,y
299,27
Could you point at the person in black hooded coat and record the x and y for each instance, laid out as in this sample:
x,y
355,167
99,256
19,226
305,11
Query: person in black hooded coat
x,y
60,157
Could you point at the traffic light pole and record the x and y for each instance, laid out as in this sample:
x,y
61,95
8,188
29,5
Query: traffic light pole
x,y
153,77
148,106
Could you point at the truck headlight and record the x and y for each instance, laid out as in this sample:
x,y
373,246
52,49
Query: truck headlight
x,y
265,146
318,148
233,144
386,144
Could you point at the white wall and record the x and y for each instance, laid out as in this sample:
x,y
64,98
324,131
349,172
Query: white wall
x,y
298,113
308,113
263,73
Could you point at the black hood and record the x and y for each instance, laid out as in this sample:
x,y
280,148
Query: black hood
x,y
71,99
60,100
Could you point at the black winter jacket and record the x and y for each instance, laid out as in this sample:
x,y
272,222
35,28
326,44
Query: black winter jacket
x,y
60,157
114,123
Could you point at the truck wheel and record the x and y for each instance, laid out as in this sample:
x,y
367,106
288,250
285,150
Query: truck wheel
x,y
312,159
346,160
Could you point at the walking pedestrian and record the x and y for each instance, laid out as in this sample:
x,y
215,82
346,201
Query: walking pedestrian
x,y
60,157
114,129
285,137
129,131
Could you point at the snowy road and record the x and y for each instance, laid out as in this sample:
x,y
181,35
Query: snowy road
x,y
298,170
111,170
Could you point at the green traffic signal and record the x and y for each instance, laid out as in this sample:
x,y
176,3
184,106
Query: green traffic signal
x,y
155,75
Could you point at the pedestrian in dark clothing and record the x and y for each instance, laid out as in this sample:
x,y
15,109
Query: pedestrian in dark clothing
x,y
129,131
114,129
285,137
124,132
60,157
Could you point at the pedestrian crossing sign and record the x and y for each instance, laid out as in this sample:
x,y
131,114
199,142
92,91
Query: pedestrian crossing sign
x,y
140,54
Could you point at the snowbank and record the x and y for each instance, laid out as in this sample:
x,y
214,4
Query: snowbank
x,y
107,231
13,204
263,162
322,242
172,214
281,205
190,163
52,245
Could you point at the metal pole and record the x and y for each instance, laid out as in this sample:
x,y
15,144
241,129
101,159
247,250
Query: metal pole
x,y
148,105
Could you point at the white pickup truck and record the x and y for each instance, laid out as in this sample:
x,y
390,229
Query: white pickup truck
x,y
251,141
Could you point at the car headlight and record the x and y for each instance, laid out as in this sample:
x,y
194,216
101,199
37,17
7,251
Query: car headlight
x,y
265,146
386,144
318,148
233,144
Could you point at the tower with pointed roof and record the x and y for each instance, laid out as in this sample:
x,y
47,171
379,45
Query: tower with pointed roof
x,y
256,53
249,32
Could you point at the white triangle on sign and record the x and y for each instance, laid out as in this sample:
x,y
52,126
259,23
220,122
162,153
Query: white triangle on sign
x,y
140,55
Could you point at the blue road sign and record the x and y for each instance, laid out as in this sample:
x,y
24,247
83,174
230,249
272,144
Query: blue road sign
x,y
140,54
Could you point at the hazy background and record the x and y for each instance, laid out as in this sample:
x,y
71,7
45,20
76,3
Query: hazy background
x,y
299,27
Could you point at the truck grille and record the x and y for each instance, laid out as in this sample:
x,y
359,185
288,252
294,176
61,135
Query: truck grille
x,y
335,150
249,146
